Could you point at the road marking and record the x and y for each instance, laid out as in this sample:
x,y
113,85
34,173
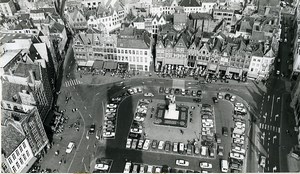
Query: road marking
x,y
260,125
87,147
268,149
90,115
279,130
274,128
272,107
82,159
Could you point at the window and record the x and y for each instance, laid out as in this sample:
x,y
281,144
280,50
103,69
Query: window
x,y
122,51
141,52
14,168
125,51
145,52
251,69
21,161
18,165
145,59
9,160
14,156
27,152
129,51
21,149
133,52
118,51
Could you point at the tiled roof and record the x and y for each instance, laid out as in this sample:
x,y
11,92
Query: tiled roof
x,y
139,19
56,28
189,3
180,18
132,43
200,16
23,69
258,35
4,1
11,138
12,92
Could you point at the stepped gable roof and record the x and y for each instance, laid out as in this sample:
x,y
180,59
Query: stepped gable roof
x,y
189,3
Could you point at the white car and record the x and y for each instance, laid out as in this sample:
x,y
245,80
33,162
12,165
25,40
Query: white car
x,y
146,144
233,98
143,111
70,147
237,135
237,156
130,91
128,143
207,125
139,90
239,105
263,161
205,165
150,169
203,150
238,141
135,90
148,94
238,149
207,121
240,125
142,169
109,134
205,129
127,167
111,106
139,118
145,101
136,130
161,145
101,167
182,163
110,110
157,170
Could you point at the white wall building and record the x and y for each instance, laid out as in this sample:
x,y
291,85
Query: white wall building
x,y
163,7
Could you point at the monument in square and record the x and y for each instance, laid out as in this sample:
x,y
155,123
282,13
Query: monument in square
x,y
171,113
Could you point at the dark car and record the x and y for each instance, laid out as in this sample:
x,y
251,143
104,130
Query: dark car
x,y
227,96
238,117
194,93
177,91
187,92
154,144
133,135
199,93
168,146
161,90
189,149
215,99
225,131
92,129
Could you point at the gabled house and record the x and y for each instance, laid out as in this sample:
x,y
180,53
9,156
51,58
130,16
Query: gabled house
x,y
163,7
76,19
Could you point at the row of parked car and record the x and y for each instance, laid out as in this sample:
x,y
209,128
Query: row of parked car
x,y
178,91
110,121
141,168
135,90
238,152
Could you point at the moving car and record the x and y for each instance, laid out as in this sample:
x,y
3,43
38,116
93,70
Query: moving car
x,y
182,162
205,165
224,166
92,129
220,150
70,147
225,131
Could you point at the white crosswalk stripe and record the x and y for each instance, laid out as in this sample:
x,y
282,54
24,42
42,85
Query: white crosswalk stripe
x,y
269,127
72,82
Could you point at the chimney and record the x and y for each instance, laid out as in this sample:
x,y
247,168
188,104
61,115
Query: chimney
x,y
32,76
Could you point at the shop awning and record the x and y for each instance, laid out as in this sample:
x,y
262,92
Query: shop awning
x,y
98,64
110,65
222,68
212,67
29,165
89,63
234,70
123,65
202,63
81,63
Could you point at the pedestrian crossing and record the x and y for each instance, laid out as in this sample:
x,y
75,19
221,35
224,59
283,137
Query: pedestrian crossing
x,y
269,127
72,82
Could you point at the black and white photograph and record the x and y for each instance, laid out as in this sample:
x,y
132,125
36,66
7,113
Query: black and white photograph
x,y
150,86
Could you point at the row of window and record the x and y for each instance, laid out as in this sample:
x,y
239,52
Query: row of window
x,y
132,52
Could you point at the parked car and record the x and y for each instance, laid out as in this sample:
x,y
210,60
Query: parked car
x,y
109,134
233,98
175,147
140,144
199,93
181,148
205,165
189,149
154,144
127,167
128,143
215,99
203,150
197,150
146,144
237,156
227,96
148,94
70,147
150,169
182,162
262,162
157,170
101,167
168,146
220,150
134,144
161,145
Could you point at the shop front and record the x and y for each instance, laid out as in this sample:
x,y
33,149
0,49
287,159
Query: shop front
x,y
212,68
235,73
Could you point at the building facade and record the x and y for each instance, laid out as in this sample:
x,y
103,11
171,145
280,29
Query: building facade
x,y
163,7
7,8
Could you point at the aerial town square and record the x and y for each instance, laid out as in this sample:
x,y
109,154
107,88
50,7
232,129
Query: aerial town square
x,y
150,86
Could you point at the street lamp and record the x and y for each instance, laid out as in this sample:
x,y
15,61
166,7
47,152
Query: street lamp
x,y
276,116
274,137
274,169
